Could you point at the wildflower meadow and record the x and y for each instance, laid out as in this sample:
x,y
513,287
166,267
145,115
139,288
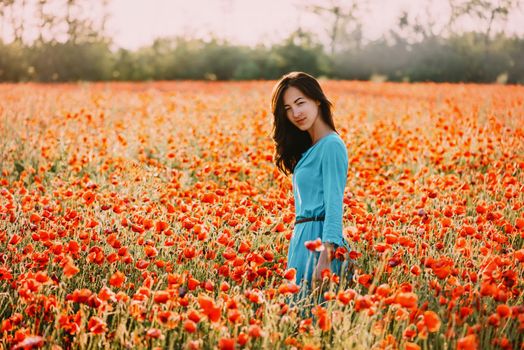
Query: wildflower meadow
x,y
152,215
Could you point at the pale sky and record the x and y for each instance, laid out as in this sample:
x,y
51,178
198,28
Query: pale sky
x,y
135,23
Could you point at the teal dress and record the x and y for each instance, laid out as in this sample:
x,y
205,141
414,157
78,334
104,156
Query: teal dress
x,y
319,179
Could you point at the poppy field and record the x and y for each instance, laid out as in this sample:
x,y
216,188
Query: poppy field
x,y
152,215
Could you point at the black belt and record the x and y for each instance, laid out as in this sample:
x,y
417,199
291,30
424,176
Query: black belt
x,y
314,218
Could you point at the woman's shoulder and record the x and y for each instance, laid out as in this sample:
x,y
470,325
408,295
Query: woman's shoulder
x,y
334,145
334,140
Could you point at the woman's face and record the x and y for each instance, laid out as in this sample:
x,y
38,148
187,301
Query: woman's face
x,y
300,109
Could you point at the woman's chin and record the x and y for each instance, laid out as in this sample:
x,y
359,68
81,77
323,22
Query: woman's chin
x,y
302,127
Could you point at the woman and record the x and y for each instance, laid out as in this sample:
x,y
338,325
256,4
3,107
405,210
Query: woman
x,y
309,147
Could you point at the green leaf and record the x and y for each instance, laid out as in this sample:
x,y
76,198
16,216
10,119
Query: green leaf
x,y
19,167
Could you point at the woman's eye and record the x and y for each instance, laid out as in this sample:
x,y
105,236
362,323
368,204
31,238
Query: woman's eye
x,y
301,102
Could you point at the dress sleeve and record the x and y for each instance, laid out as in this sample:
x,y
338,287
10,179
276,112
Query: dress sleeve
x,y
334,176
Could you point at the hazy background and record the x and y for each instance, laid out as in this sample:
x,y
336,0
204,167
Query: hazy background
x,y
400,40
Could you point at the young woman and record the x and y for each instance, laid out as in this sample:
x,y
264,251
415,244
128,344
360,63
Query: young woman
x,y
309,147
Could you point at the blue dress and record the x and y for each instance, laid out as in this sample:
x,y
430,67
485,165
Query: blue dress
x,y
319,179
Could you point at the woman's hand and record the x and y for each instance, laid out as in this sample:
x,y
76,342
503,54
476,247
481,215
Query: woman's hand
x,y
324,262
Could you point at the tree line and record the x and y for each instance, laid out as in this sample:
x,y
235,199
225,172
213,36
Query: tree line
x,y
73,47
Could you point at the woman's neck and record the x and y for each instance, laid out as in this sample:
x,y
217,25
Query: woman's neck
x,y
319,130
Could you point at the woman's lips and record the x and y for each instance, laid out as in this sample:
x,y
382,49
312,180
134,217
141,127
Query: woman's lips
x,y
300,121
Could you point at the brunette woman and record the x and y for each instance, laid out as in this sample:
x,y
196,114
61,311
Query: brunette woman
x,y
309,147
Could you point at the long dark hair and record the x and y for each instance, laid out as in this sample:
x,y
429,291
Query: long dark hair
x,y
290,141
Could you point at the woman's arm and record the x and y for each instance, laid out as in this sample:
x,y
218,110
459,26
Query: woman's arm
x,y
334,176
334,165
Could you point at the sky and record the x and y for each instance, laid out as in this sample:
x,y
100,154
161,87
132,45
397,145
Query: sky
x,y
136,23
